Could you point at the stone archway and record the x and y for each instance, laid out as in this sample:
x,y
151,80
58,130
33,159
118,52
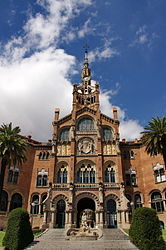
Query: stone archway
x,y
60,204
111,210
83,201
60,214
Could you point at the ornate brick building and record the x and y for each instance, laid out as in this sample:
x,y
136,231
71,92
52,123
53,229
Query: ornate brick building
x,y
85,165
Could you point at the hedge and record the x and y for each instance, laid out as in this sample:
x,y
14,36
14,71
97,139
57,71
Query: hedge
x,y
19,232
145,230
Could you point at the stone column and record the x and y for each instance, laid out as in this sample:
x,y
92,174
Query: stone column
x,y
53,214
127,217
101,218
39,204
97,218
8,206
45,217
70,217
75,217
66,218
118,217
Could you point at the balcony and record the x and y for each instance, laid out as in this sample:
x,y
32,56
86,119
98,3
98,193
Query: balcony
x,y
85,186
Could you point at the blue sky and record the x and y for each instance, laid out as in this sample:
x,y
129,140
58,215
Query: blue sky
x,y
42,51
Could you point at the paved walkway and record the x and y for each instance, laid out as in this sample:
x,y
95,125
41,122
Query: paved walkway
x,y
54,239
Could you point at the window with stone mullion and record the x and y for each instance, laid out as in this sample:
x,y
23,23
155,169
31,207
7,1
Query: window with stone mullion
x,y
86,176
109,176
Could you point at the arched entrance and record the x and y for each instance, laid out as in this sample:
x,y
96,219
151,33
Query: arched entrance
x,y
16,201
84,204
111,214
60,216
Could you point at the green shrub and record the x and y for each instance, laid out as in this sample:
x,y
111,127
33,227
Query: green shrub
x,y
19,232
145,230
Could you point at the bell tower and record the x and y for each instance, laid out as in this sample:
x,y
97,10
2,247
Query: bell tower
x,y
86,94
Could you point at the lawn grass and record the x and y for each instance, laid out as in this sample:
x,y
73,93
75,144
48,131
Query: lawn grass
x,y
37,233
163,232
2,234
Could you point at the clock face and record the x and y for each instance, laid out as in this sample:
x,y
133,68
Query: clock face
x,y
87,78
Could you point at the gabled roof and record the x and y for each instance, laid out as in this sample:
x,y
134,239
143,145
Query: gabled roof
x,y
86,109
64,119
109,119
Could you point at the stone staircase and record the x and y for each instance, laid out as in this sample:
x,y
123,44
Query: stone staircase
x,y
54,239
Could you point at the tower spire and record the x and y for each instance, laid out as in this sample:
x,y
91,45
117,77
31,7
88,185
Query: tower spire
x,y
86,47
86,72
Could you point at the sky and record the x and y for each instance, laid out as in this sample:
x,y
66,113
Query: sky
x,y
41,56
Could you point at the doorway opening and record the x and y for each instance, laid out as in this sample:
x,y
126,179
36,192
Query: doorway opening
x,y
60,217
111,214
85,203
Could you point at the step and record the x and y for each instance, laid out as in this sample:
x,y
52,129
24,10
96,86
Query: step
x,y
54,239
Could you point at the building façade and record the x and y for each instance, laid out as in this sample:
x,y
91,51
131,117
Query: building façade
x,y
85,165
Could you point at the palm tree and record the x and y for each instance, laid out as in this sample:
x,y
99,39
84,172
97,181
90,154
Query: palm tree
x,y
154,137
12,150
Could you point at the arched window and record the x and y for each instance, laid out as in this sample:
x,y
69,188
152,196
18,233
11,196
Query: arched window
x,y
62,175
42,178
4,201
137,201
13,175
109,175
85,124
107,134
44,155
35,204
16,201
86,174
42,205
156,202
64,135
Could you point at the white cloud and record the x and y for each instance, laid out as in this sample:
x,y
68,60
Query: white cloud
x,y
99,54
33,86
85,29
144,37
130,129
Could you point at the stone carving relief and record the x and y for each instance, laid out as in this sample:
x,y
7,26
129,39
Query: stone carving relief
x,y
109,149
63,149
86,146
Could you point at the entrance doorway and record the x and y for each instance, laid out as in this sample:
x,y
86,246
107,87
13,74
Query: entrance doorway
x,y
60,217
85,203
111,214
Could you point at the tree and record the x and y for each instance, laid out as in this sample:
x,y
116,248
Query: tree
x,y
19,232
154,137
145,231
12,149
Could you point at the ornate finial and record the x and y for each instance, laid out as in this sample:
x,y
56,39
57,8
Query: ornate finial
x,y
86,47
